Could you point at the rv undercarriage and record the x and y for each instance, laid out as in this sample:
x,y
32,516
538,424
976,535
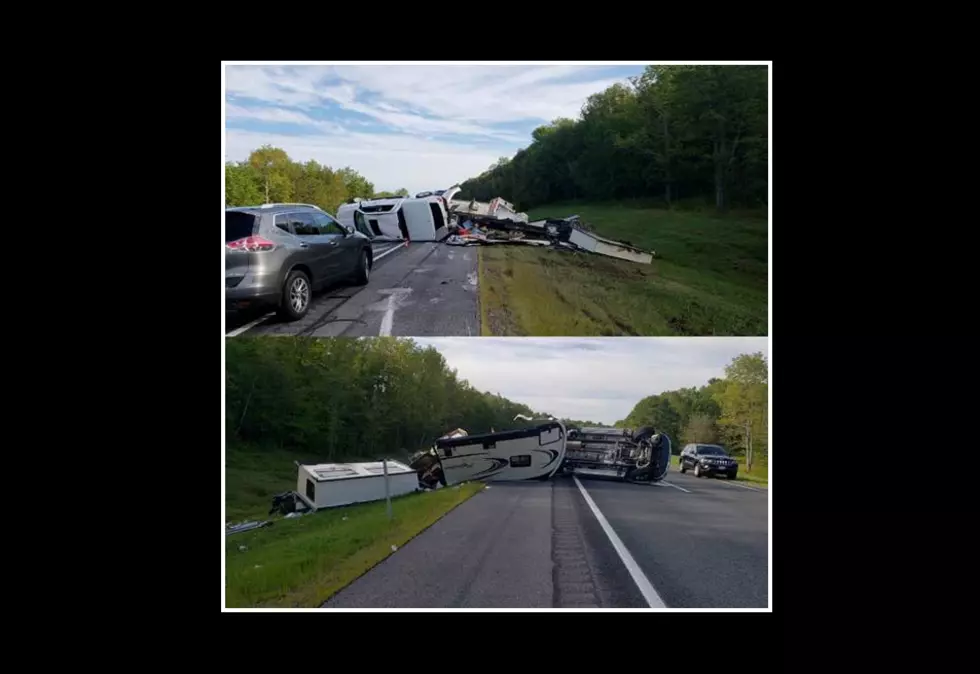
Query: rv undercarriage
x,y
635,456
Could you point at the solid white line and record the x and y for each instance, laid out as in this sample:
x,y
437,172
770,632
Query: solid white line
x,y
387,251
389,318
736,484
248,326
671,484
642,582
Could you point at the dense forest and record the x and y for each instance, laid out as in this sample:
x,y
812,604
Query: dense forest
x,y
339,399
733,411
674,133
347,399
269,175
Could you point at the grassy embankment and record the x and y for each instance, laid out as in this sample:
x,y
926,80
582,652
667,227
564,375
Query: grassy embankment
x,y
709,277
302,562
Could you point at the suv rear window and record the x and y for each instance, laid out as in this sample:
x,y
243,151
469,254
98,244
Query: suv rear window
x,y
238,225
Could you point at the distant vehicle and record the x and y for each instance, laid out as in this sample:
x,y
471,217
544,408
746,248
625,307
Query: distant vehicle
x,y
708,460
277,255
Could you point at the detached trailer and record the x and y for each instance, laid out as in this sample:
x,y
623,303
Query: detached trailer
x,y
327,485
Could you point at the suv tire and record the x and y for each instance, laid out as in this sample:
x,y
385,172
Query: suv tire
x,y
296,295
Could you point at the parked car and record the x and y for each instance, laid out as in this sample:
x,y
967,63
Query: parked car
x,y
708,460
277,255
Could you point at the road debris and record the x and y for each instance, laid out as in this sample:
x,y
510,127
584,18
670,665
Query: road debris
x,y
245,526
499,225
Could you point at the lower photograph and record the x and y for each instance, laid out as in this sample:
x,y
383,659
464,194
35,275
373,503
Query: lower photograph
x,y
496,473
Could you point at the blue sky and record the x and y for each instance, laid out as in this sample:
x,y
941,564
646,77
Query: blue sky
x,y
418,127
598,379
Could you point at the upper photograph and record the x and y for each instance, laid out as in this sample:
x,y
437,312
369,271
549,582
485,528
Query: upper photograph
x,y
496,200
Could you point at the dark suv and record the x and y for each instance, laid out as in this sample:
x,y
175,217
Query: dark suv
x,y
708,460
278,254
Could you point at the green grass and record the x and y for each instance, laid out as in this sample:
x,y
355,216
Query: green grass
x,y
759,475
709,277
302,562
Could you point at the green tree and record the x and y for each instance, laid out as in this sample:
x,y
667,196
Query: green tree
x,y
743,399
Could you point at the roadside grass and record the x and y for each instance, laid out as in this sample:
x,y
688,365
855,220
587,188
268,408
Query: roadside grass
x,y
302,562
709,277
759,475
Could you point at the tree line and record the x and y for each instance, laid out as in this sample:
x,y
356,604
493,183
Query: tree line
x,y
269,176
676,132
347,399
733,410
343,399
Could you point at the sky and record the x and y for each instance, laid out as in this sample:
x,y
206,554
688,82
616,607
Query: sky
x,y
417,127
597,379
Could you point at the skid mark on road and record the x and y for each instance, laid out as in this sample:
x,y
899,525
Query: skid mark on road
x,y
643,583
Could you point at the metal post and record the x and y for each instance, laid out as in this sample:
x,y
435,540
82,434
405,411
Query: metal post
x,y
384,463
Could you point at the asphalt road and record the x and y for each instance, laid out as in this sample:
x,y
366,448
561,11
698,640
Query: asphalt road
x,y
419,290
697,542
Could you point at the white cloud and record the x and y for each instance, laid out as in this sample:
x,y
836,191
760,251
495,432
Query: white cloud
x,y
589,379
336,105
389,161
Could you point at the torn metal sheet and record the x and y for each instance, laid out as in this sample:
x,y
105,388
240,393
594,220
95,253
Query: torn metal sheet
x,y
594,243
245,526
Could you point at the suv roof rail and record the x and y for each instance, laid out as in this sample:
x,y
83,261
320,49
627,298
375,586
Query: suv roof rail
x,y
289,203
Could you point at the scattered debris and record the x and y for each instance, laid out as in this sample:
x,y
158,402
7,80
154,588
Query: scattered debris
x,y
475,228
245,526
394,548
242,548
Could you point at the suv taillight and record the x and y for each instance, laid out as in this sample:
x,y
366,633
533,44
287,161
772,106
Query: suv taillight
x,y
251,244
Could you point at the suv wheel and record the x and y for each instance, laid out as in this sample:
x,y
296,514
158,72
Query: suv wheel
x,y
295,296
697,470
683,466
363,273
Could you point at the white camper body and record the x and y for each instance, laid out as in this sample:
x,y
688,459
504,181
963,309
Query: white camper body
x,y
596,244
495,208
327,485
534,453
401,218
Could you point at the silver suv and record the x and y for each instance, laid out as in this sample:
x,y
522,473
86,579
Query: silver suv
x,y
277,255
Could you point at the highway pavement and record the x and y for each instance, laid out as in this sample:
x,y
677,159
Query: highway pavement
x,y
419,290
583,543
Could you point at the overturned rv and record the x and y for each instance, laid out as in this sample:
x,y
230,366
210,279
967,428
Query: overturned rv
x,y
642,455
400,218
533,453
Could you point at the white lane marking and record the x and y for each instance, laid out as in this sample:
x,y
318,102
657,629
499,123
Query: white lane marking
x,y
642,582
389,318
248,326
736,484
387,321
387,251
671,484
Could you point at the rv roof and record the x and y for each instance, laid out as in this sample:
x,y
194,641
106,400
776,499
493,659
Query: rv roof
x,y
337,471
